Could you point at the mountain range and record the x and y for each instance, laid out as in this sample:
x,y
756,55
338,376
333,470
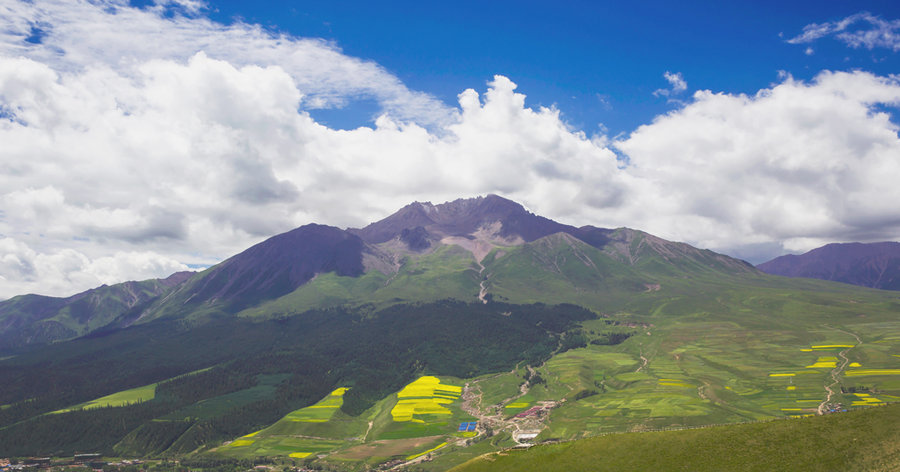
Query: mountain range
x,y
875,265
443,331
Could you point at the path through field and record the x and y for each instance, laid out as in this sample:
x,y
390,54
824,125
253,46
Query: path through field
x,y
836,372
644,362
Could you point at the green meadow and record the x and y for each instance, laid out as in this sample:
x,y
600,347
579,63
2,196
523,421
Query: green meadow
x,y
123,398
868,440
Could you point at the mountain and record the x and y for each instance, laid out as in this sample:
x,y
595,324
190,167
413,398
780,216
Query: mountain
x,y
467,249
440,332
875,265
279,265
37,319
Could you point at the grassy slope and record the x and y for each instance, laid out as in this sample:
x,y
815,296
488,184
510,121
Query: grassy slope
x,y
448,272
864,440
125,397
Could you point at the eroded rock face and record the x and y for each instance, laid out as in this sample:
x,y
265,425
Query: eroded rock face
x,y
462,218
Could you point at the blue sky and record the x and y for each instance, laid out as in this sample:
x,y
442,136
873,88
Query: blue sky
x,y
144,137
598,62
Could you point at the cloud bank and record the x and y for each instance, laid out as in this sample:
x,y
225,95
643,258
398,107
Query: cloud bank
x,y
137,160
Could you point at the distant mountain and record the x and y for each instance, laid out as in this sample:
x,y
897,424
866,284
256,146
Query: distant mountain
x,y
37,319
875,265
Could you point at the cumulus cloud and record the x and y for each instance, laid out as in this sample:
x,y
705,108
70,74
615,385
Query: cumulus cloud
x,y
67,271
800,163
74,35
859,30
132,162
194,161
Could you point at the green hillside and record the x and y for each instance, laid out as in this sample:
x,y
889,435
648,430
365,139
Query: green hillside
x,y
861,441
37,319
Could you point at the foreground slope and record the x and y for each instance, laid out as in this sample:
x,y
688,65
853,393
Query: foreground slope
x,y
861,441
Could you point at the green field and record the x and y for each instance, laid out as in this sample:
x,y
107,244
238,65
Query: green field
x,y
411,422
123,398
299,434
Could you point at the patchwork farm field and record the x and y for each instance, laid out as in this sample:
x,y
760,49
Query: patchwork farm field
x,y
419,419
716,374
670,373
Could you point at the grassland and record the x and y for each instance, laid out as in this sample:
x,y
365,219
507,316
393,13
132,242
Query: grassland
x,y
123,398
863,440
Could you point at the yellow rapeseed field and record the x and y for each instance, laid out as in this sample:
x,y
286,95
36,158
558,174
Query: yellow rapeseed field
x,y
425,396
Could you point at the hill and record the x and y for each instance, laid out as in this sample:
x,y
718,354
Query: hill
x,y
865,440
875,265
37,319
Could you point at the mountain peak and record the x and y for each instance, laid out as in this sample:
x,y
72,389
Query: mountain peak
x,y
462,217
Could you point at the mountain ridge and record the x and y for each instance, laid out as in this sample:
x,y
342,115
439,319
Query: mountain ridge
x,y
875,265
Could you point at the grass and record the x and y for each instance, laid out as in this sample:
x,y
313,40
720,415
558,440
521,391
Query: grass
x,y
863,440
123,398
448,272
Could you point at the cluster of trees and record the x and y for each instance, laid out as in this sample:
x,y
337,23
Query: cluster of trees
x,y
374,353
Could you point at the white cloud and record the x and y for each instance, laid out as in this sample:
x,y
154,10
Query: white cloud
x,y
858,30
79,34
676,82
800,164
67,271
